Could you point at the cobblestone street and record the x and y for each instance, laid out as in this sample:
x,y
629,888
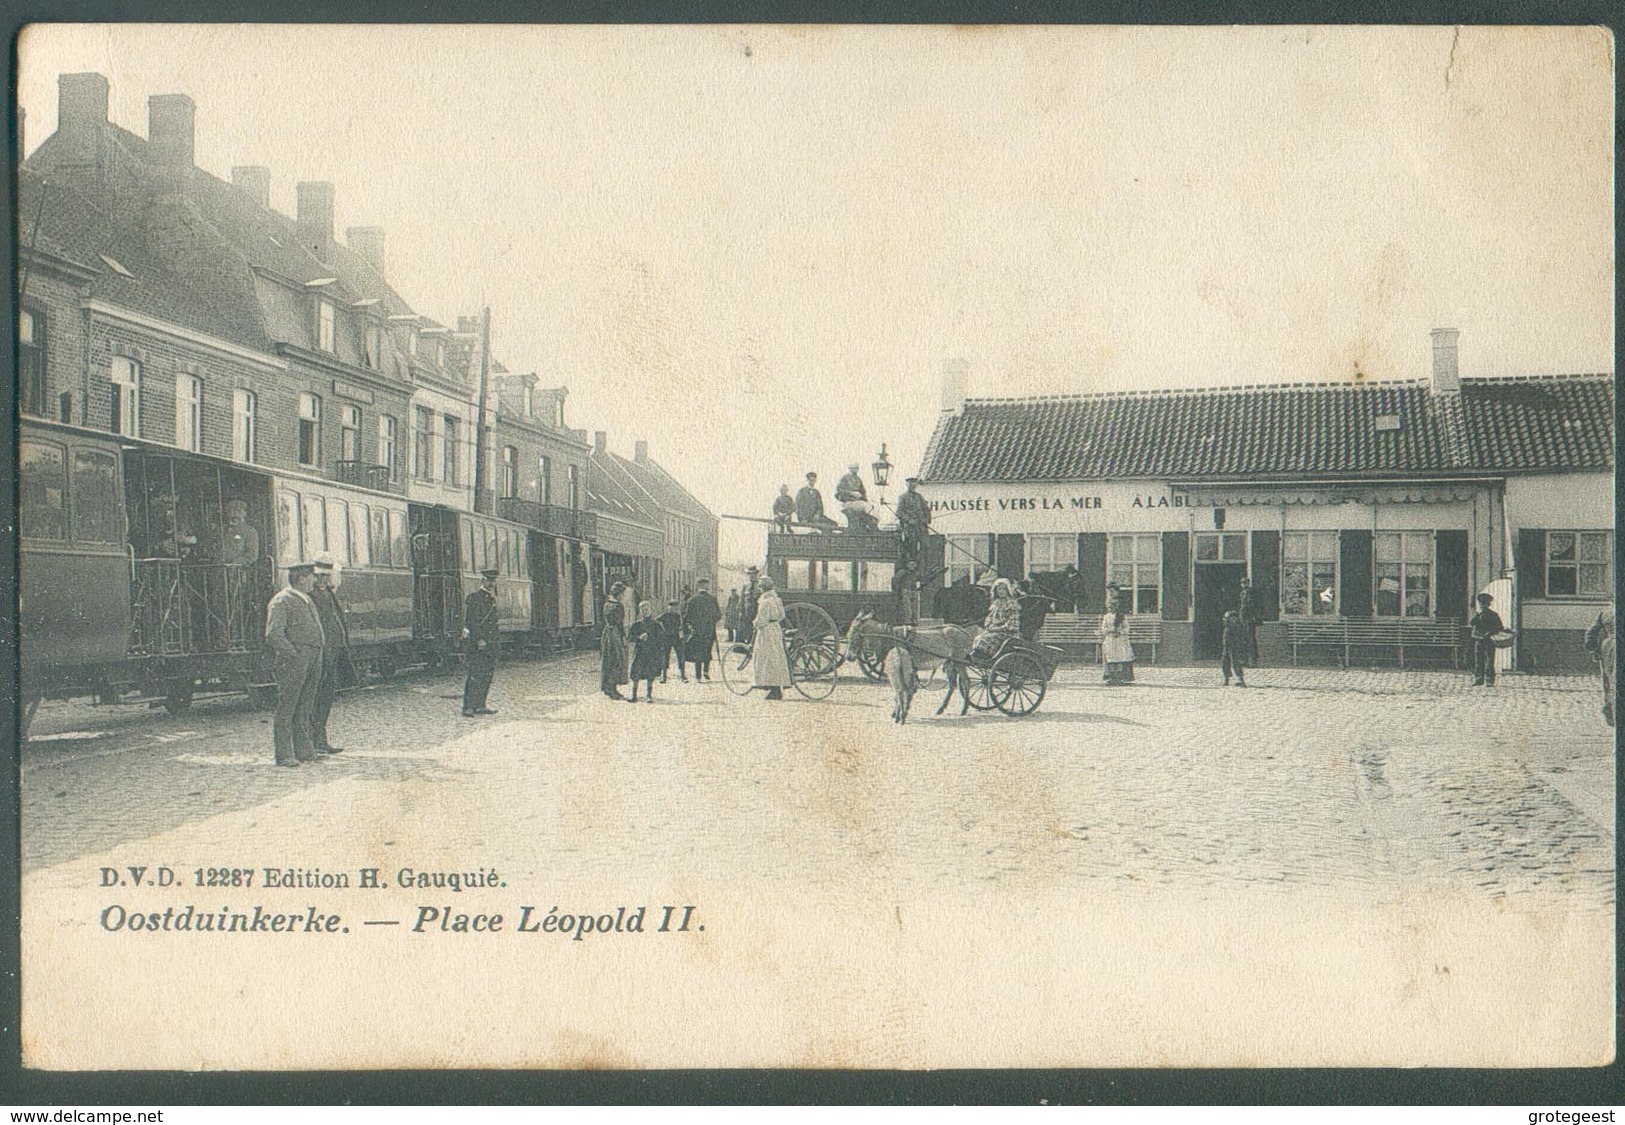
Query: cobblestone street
x,y
1308,820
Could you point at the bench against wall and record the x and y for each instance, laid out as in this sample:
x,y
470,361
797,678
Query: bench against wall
x,y
1396,633
1072,630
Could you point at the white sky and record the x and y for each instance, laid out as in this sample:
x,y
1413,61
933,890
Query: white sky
x,y
754,247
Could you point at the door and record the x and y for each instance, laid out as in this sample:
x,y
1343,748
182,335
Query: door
x,y
1218,589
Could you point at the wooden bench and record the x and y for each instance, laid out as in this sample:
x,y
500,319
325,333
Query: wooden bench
x,y
1398,633
1083,630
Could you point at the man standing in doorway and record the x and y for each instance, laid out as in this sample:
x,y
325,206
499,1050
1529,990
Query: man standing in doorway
x,y
335,652
293,632
1485,624
1247,611
481,636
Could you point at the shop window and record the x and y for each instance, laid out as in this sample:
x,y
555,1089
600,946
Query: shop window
x,y
310,428
1134,566
1403,573
244,425
1049,553
1579,564
31,362
95,498
966,557
189,412
1309,574
42,498
125,375
350,433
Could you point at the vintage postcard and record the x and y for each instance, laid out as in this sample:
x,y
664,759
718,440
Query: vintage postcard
x,y
860,547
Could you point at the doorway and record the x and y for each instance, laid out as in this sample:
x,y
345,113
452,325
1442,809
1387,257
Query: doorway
x,y
1218,589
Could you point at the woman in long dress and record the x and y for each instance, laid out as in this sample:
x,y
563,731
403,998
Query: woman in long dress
x,y
1116,650
771,664
612,646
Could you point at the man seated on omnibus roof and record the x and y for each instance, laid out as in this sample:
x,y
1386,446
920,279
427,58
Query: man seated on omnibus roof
x,y
854,501
810,506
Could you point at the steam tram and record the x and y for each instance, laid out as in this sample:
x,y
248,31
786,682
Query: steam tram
x,y
148,569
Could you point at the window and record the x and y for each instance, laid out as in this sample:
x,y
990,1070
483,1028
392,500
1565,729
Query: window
x,y
125,375
42,498
380,537
530,402
324,327
806,574
386,445
287,527
544,486
453,449
95,498
372,342
314,537
440,353
1047,553
573,473
510,471
189,412
471,561
1212,546
244,425
1134,564
31,361
423,445
966,556
1309,573
412,342
350,433
338,531
1404,573
558,412
1579,564
400,548
310,429
360,539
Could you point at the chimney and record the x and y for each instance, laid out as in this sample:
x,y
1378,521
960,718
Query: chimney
x,y
254,181
81,103
1446,378
468,325
600,442
640,452
955,377
314,218
369,243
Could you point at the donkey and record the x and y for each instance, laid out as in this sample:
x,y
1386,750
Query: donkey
x,y
904,680
942,646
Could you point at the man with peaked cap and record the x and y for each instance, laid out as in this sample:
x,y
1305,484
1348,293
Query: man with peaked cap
x,y
335,651
913,520
1485,624
810,506
481,636
293,633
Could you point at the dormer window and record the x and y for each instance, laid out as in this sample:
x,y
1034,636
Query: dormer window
x,y
530,402
372,343
412,342
558,413
325,327
440,353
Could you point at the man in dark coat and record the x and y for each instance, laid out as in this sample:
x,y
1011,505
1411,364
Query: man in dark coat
x,y
700,616
293,633
784,510
481,637
671,630
747,607
810,506
1484,624
335,653
913,520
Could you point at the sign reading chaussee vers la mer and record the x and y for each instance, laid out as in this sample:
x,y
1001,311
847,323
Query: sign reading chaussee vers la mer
x,y
1101,506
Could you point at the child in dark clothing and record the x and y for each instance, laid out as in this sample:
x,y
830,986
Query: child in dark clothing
x,y
671,624
1485,624
1233,648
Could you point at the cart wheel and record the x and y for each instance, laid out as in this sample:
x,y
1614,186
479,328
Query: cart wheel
x,y
807,624
738,671
813,668
178,699
873,661
978,687
1017,682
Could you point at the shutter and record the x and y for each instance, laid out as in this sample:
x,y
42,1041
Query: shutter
x,y
1092,572
1531,563
1007,556
1450,553
1354,564
1176,575
932,563
1266,575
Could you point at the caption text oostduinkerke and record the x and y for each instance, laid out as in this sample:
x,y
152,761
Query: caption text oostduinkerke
x,y
425,919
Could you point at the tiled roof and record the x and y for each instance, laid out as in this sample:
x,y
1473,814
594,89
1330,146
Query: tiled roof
x,y
663,488
1395,429
611,491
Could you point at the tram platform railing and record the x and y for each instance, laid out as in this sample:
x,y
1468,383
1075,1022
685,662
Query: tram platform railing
x,y
183,608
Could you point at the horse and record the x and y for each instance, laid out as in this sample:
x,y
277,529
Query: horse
x,y
942,646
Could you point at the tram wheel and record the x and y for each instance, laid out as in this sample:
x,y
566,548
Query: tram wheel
x,y
178,699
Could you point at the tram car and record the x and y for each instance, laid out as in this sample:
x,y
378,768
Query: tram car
x,y
148,569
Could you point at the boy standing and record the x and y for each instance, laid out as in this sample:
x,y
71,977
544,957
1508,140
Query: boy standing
x,y
1485,624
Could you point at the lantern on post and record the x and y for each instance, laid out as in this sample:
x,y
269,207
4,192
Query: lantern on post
x,y
882,471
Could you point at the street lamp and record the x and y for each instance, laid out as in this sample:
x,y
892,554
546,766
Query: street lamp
x,y
882,470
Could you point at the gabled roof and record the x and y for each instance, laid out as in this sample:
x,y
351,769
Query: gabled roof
x,y
611,491
1397,429
663,488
